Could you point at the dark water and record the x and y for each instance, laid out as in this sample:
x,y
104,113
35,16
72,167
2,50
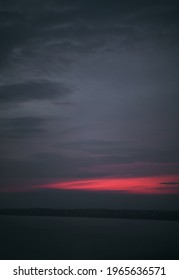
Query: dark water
x,y
87,238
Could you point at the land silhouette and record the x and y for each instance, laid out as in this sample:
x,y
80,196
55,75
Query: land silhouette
x,y
96,213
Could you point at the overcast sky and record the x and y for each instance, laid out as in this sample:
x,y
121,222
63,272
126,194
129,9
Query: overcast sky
x,y
89,95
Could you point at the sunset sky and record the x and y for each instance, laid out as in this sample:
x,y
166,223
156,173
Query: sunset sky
x,y
89,102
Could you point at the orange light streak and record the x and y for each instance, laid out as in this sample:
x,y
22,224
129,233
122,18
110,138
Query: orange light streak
x,y
143,185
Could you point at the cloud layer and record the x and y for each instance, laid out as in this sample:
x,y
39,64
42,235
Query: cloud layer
x,y
88,90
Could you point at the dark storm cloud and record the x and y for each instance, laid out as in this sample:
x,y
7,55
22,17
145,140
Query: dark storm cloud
x,y
125,20
83,25
14,128
32,91
101,25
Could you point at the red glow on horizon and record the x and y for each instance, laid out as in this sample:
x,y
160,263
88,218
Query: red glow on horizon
x,y
143,185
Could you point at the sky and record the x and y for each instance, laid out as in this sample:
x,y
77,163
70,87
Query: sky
x,y
89,96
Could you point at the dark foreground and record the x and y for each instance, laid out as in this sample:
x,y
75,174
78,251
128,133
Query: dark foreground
x,y
25,237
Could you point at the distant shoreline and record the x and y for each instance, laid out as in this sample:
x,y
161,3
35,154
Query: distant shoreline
x,y
95,213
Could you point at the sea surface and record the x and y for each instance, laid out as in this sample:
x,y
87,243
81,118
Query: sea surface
x,y
24,237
